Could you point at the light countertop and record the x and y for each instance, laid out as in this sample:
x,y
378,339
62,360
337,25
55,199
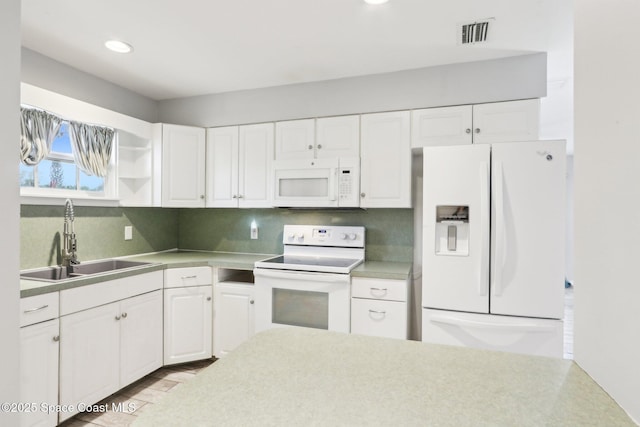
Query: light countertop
x,y
304,377
177,259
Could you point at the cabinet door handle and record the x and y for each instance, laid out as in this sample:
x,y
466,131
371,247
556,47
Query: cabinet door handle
x,y
319,146
251,301
362,195
310,147
31,310
208,298
234,196
124,315
56,338
202,196
467,130
240,196
117,317
477,130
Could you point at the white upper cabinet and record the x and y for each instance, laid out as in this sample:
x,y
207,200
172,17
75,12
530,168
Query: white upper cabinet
x,y
254,166
506,121
386,160
441,126
295,139
482,123
324,138
238,166
222,167
183,166
338,137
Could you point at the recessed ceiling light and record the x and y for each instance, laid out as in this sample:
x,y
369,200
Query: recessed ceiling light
x,y
118,46
375,1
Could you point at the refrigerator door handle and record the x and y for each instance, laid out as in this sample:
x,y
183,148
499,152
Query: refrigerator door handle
x,y
483,279
501,232
521,327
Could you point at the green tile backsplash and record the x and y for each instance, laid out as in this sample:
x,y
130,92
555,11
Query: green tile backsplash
x,y
100,231
389,232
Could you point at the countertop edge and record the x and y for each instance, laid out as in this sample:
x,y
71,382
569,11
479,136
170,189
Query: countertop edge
x,y
166,260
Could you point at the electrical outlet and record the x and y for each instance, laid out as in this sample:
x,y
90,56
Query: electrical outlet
x,y
128,232
254,230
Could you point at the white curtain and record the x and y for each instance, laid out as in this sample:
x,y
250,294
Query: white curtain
x,y
92,146
38,130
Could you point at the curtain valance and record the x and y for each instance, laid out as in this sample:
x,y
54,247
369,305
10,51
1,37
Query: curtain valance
x,y
92,146
38,130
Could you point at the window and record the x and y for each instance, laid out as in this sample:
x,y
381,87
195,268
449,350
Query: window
x,y
58,171
57,175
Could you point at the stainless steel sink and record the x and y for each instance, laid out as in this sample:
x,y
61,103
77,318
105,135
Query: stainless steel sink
x,y
55,274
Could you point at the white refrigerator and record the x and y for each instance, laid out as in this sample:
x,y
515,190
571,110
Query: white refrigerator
x,y
493,246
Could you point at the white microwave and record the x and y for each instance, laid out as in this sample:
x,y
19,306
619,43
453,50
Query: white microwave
x,y
317,182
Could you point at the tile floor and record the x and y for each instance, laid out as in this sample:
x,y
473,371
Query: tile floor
x,y
139,396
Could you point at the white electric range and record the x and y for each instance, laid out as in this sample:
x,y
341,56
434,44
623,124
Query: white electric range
x,y
309,285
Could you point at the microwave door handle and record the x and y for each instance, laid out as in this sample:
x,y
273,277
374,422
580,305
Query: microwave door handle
x,y
332,184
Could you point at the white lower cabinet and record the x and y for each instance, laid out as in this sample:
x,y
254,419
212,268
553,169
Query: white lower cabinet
x,y
89,356
379,307
105,347
233,310
187,324
39,345
188,312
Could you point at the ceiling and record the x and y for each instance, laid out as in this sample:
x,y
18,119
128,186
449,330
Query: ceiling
x,y
196,47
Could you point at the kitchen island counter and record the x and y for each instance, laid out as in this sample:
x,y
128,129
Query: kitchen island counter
x,y
302,376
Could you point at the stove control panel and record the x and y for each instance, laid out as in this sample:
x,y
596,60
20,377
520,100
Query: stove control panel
x,y
324,235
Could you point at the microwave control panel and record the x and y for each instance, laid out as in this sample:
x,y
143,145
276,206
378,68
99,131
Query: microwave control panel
x,y
349,182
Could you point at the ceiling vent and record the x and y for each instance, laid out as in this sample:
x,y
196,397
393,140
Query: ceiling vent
x,y
474,32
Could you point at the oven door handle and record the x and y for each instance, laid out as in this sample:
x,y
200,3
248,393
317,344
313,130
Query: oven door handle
x,y
306,275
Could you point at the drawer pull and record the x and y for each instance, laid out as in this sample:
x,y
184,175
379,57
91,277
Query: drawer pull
x,y
56,338
189,277
36,309
378,291
383,313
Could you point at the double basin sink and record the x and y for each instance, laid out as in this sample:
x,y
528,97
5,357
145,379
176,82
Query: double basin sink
x,y
56,274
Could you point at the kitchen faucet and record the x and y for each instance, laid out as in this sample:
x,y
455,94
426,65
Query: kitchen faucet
x,y
70,245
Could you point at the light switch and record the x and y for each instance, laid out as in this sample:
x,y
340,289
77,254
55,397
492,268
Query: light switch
x,y
128,232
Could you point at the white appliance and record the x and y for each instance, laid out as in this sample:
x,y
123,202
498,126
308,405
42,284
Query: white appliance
x,y
493,246
317,182
310,284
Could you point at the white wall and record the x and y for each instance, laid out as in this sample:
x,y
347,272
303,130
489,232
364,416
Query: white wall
x,y
607,196
41,71
10,212
504,79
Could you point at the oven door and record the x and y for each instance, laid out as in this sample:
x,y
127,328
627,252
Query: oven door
x,y
305,183
285,298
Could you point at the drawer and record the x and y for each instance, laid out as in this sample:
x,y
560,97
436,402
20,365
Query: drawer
x,y
379,318
85,297
39,308
188,276
384,289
